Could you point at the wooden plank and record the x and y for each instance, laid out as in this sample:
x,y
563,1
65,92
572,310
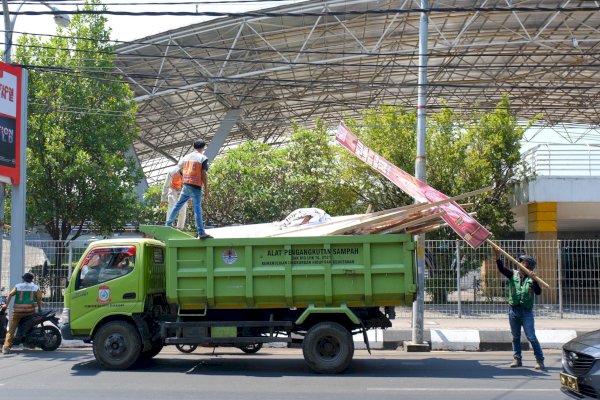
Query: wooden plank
x,y
360,218
521,267
416,222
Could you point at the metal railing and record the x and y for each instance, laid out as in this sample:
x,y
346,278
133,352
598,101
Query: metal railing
x,y
459,281
563,160
51,262
474,288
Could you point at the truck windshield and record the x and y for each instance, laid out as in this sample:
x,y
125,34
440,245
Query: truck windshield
x,y
105,264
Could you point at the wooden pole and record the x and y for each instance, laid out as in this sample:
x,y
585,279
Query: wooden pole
x,y
514,260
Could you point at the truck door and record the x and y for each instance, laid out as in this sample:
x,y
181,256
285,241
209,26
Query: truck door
x,y
107,283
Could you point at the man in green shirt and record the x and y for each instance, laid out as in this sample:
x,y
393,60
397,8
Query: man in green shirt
x,y
522,291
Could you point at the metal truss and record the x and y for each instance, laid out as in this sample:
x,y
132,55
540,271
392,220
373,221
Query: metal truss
x,y
284,69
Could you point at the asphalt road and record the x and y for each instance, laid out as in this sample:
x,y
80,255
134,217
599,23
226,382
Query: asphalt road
x,y
228,374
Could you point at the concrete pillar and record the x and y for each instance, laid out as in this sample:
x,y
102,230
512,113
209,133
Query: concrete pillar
x,y
542,227
541,221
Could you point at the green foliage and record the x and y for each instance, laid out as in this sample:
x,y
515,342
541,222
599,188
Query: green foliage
x,y
153,212
390,131
81,124
256,183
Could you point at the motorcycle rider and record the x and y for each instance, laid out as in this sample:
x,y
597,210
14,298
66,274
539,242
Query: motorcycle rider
x,y
26,295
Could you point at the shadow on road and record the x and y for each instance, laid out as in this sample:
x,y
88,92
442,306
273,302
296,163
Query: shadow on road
x,y
275,365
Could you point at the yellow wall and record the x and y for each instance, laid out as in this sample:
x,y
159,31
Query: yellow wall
x,y
541,225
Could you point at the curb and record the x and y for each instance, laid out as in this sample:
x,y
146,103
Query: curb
x,y
476,340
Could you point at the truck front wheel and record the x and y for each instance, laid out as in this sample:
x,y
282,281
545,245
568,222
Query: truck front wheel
x,y
328,348
117,345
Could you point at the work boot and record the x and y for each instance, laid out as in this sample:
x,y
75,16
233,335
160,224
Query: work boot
x,y
516,363
539,364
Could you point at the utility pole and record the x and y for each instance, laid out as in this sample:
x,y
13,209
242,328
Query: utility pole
x,y
420,164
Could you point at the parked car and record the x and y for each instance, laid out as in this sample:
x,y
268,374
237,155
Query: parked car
x,y
580,378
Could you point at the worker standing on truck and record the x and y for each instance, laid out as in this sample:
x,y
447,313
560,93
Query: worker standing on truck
x,y
171,192
26,295
522,291
194,167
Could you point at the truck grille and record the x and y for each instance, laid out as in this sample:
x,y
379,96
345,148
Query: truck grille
x,y
577,362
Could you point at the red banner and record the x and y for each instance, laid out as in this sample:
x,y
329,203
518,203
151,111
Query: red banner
x,y
457,218
10,122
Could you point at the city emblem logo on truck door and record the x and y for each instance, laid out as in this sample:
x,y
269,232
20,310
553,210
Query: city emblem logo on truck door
x,y
230,256
103,295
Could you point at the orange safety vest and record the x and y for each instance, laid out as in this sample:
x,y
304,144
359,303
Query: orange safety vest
x,y
176,181
191,166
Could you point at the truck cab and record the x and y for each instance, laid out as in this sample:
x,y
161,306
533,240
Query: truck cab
x,y
115,280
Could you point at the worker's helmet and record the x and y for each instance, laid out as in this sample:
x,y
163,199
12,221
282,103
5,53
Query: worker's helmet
x,y
531,264
28,277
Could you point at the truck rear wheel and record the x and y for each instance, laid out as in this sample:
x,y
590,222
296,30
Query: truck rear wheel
x,y
251,348
117,345
328,348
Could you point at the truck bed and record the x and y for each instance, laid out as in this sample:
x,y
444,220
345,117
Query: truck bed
x,y
357,271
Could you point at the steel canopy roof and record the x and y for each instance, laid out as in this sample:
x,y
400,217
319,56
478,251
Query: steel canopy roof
x,y
322,64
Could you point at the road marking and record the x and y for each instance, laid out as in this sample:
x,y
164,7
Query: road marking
x,y
460,390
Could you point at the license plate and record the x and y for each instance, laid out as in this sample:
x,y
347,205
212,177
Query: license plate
x,y
569,381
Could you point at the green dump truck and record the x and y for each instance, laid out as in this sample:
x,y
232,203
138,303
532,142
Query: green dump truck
x,y
131,297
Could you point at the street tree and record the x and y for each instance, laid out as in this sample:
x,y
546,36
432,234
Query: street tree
x,y
256,183
81,124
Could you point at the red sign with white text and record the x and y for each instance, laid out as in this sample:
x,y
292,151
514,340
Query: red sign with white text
x,y
457,218
10,121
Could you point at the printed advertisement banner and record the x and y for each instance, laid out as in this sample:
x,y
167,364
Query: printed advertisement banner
x,y
457,218
10,120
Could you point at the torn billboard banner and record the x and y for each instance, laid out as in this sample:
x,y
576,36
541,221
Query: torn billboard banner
x,y
458,219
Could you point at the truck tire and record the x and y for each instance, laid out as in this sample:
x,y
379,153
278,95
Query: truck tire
x,y
251,348
52,338
328,348
154,350
186,348
117,345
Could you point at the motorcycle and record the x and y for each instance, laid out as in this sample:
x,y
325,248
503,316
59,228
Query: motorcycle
x,y
31,331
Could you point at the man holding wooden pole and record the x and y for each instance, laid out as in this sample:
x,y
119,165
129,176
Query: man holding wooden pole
x,y
523,288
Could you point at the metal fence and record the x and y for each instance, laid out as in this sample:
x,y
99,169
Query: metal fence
x,y
464,282
459,281
51,262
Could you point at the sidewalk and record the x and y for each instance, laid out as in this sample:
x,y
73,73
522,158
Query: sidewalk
x,y
473,334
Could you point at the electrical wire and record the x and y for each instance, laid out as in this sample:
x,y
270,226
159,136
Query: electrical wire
x,y
258,14
432,54
149,3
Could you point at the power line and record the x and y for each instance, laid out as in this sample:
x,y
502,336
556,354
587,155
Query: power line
x,y
161,3
314,13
